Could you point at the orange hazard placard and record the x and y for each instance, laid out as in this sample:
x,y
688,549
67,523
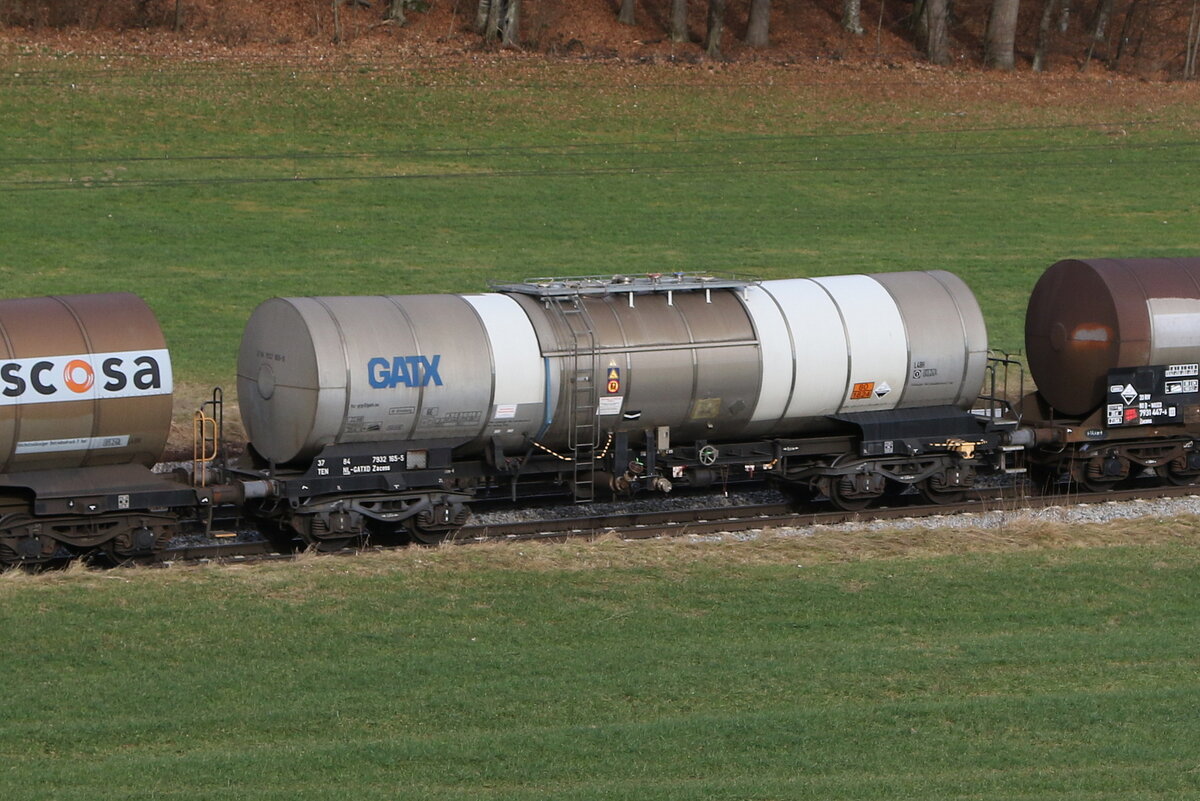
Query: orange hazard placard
x,y
862,391
614,380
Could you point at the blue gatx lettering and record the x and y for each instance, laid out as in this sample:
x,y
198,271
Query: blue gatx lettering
x,y
409,371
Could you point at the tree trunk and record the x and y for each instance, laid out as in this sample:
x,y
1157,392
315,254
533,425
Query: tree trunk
x,y
758,30
852,16
1103,11
481,15
716,26
395,12
679,20
178,15
1193,41
1001,35
491,27
625,15
337,21
1126,33
935,31
510,24
1043,38
1064,19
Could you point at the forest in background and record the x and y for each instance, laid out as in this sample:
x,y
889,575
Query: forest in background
x,y
1152,38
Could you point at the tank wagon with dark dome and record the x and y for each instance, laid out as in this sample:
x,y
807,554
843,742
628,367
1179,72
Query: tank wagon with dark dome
x,y
394,414
1114,348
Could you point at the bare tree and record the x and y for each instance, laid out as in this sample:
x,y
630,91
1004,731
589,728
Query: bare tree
x,y
679,19
1127,29
499,19
852,16
395,12
716,26
625,15
1045,27
510,25
1099,28
933,30
1193,42
1000,37
758,29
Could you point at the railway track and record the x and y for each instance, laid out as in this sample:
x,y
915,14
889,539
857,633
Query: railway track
x,y
700,521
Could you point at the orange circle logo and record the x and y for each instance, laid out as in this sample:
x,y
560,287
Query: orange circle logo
x,y
79,376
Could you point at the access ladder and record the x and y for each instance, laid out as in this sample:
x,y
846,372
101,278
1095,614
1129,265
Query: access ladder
x,y
583,433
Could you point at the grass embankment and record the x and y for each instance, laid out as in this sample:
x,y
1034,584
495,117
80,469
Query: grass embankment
x,y
608,670
209,187
430,674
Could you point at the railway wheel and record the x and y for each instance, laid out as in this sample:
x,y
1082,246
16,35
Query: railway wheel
x,y
935,492
1101,474
139,543
329,531
22,544
1092,485
1184,470
334,544
437,523
844,495
949,486
1182,479
425,536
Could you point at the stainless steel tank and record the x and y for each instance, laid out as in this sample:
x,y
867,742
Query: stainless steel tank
x,y
690,361
1087,316
317,371
84,380
707,359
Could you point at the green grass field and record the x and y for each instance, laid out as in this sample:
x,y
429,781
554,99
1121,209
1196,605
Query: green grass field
x,y
210,187
1016,665
773,670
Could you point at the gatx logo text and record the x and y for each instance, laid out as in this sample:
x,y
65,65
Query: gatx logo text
x,y
406,371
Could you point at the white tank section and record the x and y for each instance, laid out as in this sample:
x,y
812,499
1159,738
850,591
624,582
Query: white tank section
x,y
708,359
518,373
859,343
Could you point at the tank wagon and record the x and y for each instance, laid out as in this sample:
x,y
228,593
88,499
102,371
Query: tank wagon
x,y
373,412
85,410
1114,349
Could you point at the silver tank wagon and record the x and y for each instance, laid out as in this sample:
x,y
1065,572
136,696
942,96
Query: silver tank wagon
x,y
698,356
